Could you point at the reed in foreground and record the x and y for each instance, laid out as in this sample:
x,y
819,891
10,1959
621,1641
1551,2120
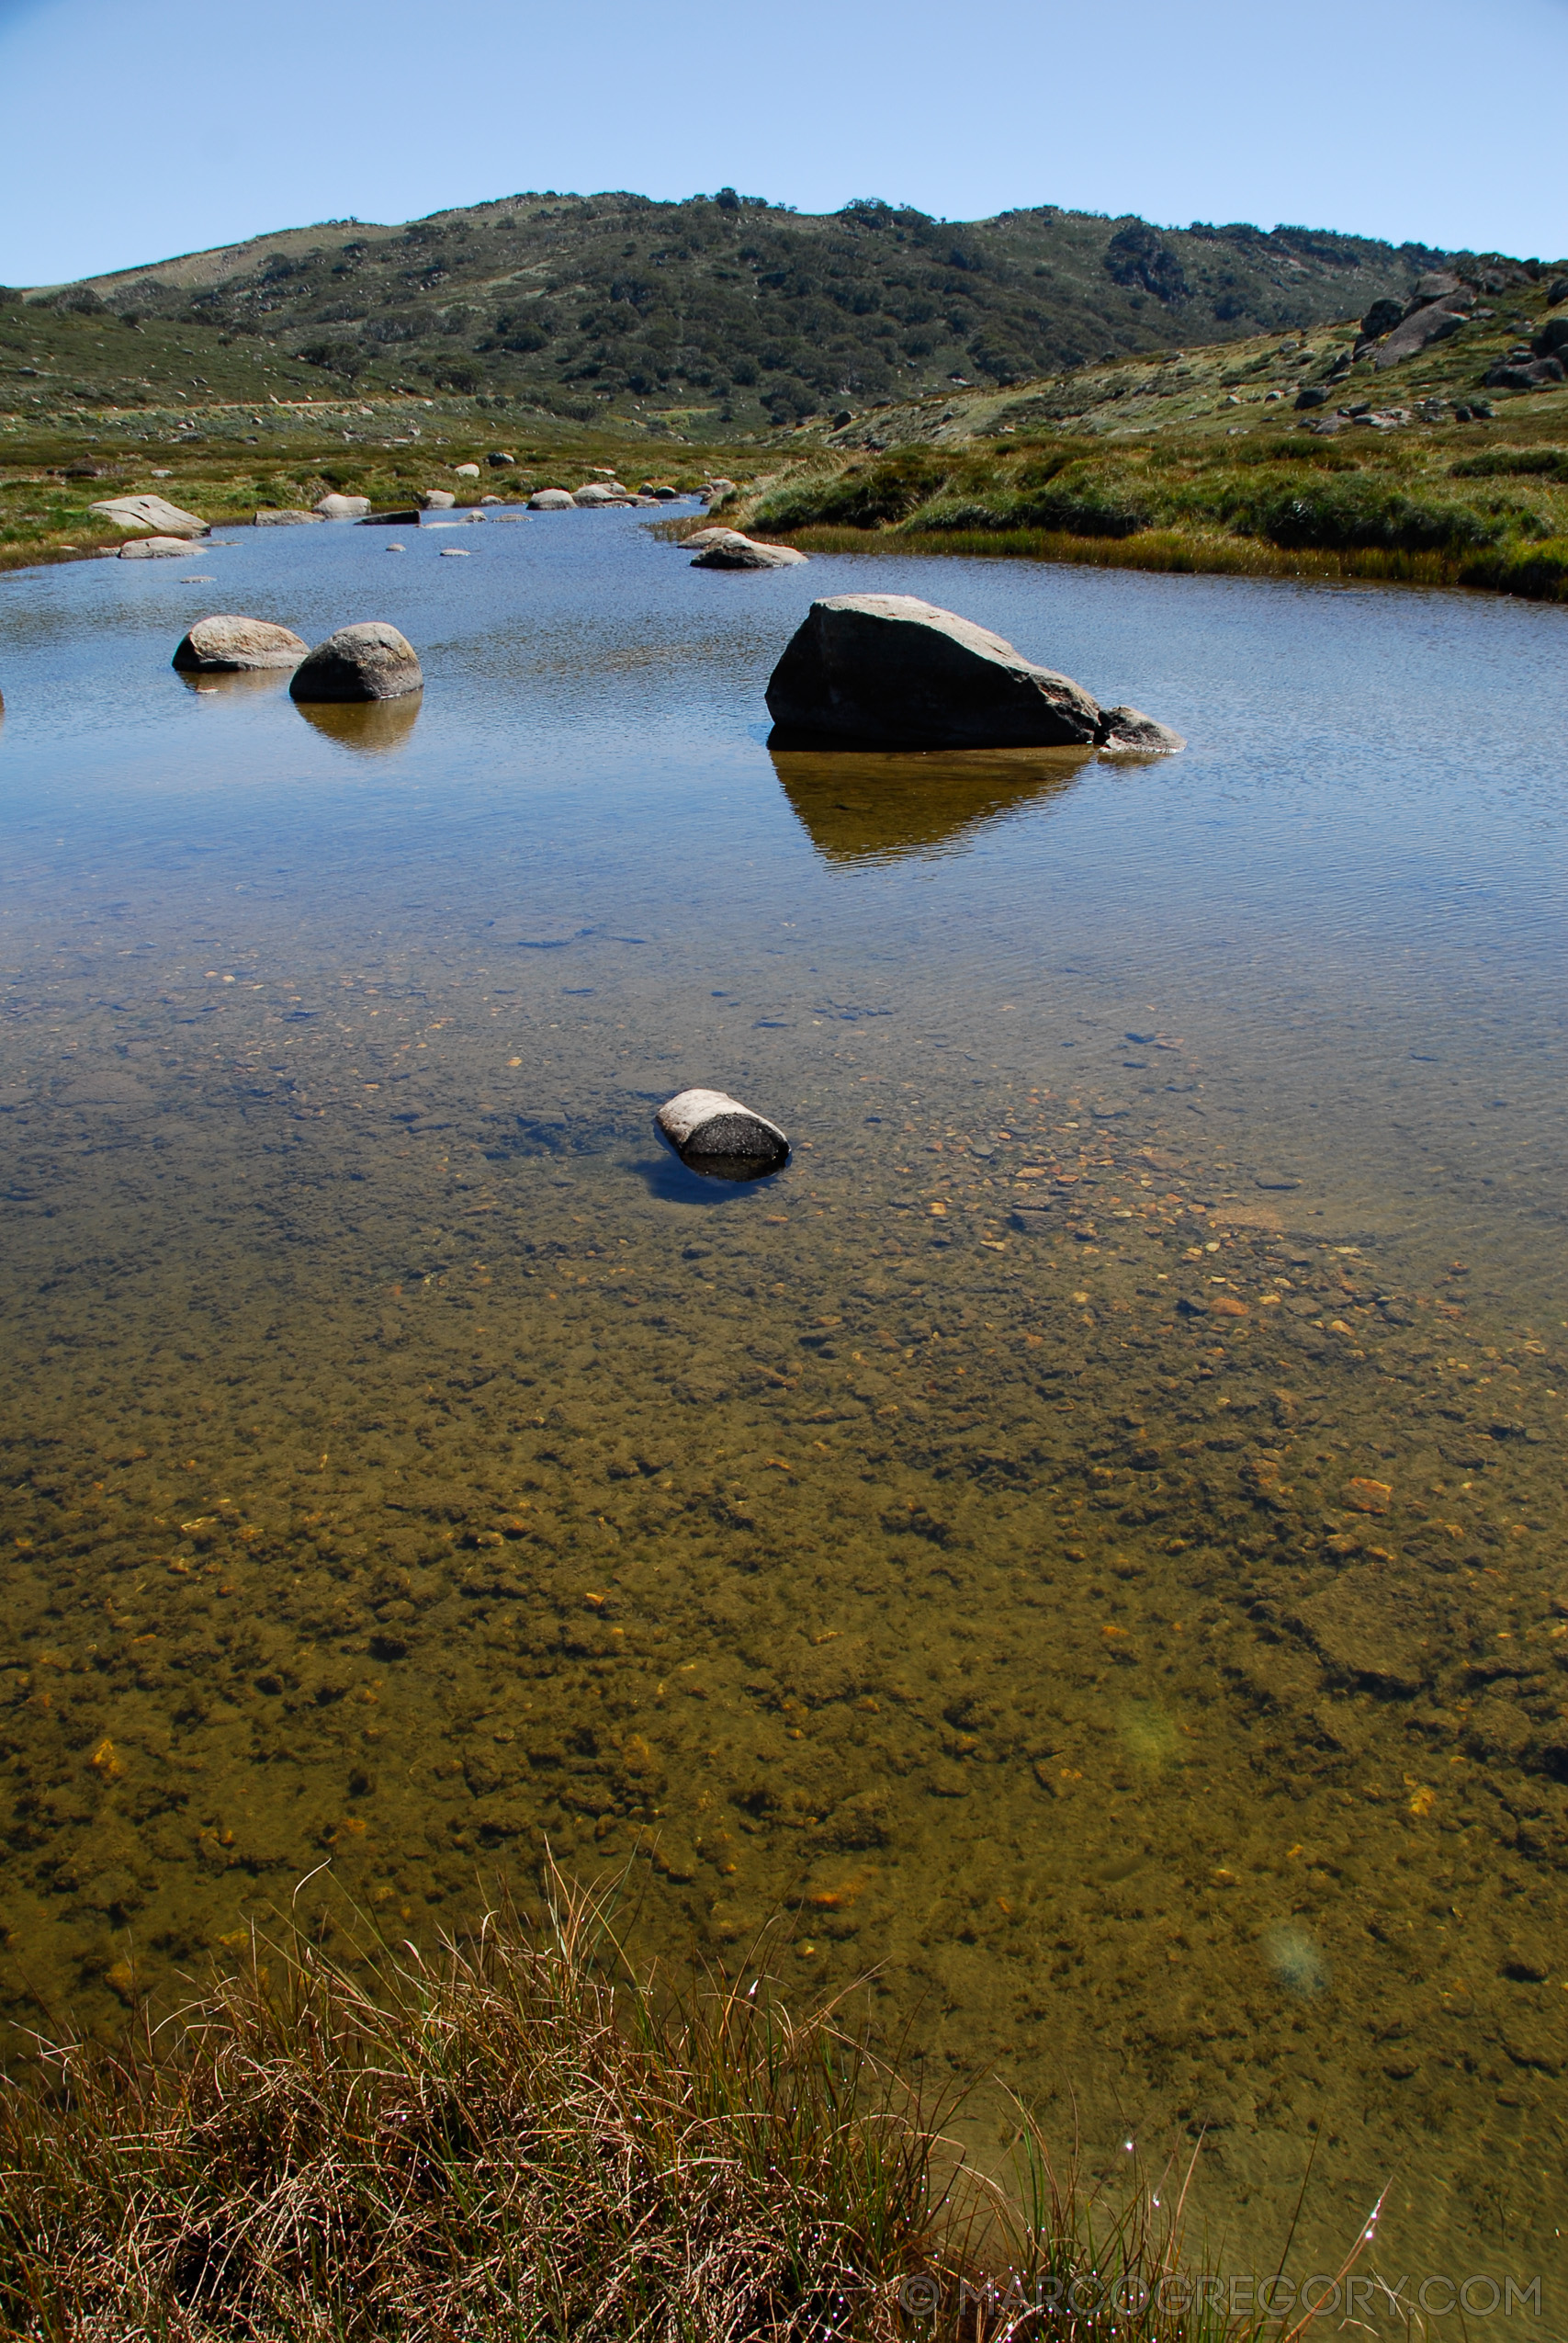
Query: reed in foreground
x,y
521,2139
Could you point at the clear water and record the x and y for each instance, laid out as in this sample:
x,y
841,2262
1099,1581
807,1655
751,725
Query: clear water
x,y
1085,1542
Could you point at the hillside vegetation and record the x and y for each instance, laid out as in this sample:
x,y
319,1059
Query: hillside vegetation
x,y
1425,471
722,314
1287,452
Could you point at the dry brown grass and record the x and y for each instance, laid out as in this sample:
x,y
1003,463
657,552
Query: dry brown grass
x,y
523,2139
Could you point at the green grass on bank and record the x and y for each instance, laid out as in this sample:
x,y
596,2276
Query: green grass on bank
x,y
224,464
525,2138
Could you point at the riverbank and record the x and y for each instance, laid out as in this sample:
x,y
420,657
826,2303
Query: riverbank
x,y
225,463
524,2134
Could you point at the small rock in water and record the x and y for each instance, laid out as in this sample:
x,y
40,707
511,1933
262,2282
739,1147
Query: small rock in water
x,y
371,660
1128,731
229,646
285,516
716,1134
154,548
453,553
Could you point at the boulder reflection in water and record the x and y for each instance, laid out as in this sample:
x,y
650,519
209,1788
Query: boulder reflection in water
x,y
876,805
368,728
206,682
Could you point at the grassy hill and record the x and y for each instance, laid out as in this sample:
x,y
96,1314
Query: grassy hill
x,y
717,316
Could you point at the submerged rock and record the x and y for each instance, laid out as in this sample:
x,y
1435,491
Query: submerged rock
x,y
891,671
230,646
733,551
370,661
155,549
285,516
149,513
714,1134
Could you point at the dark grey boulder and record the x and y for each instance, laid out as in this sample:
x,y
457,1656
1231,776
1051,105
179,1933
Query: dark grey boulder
x,y
235,646
497,457
1525,374
1552,339
887,669
1130,731
1382,318
1314,395
1439,285
370,661
716,1134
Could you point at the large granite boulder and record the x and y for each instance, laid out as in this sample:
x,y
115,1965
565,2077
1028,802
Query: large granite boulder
x,y
437,499
156,549
600,491
342,508
1434,322
887,669
285,516
1552,339
230,646
370,661
733,551
551,500
714,1134
149,513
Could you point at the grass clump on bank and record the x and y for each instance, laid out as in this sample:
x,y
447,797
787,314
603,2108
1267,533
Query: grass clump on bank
x,y
523,2138
1281,506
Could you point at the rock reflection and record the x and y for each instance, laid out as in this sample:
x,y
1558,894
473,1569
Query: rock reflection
x,y
873,804
205,683
367,727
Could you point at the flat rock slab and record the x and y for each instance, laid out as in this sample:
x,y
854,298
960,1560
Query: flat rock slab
x,y
732,551
229,646
1360,1625
885,668
370,661
156,549
148,512
716,1134
285,516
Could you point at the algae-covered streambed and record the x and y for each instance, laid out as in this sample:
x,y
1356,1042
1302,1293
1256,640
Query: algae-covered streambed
x,y
1083,1542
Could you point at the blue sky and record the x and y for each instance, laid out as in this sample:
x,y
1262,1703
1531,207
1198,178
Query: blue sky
x,y
138,129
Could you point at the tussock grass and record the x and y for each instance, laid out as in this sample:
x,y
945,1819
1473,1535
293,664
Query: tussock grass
x,y
1186,551
524,2138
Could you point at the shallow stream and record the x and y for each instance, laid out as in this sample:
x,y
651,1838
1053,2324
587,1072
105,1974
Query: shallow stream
x,y
1085,1542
